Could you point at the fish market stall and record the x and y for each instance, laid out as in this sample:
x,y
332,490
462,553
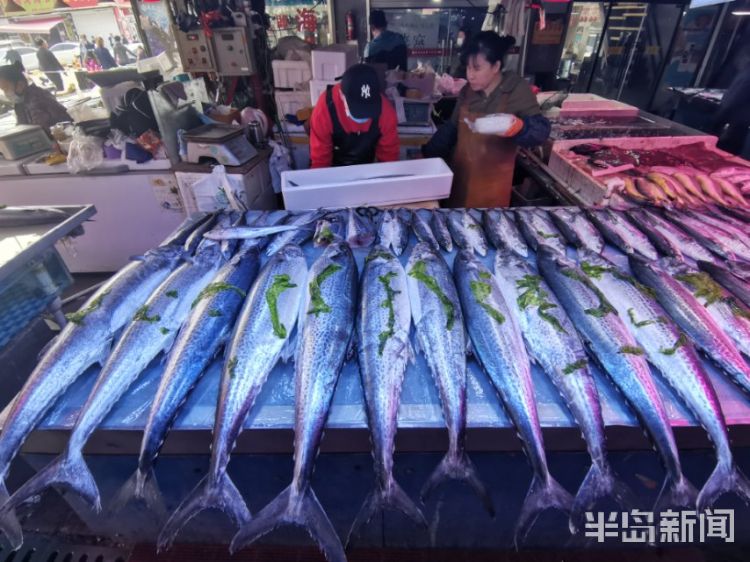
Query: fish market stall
x,y
32,273
530,280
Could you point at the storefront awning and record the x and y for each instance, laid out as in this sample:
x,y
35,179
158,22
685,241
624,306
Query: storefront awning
x,y
33,26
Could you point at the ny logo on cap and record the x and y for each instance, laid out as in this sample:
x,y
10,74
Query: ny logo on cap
x,y
365,93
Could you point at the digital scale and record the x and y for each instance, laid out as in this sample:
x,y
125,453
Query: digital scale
x,y
23,140
224,144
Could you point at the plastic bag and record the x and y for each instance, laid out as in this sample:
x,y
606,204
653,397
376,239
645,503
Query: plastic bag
x,y
85,153
493,124
216,191
280,161
449,86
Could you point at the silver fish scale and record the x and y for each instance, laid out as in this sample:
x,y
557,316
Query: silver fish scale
x,y
79,346
382,367
198,341
502,354
578,229
466,231
125,364
421,227
607,336
554,351
655,332
254,349
502,231
444,349
538,230
687,245
695,320
323,347
440,229
306,221
623,233
392,232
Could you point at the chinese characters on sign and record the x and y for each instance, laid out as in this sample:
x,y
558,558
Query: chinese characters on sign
x,y
672,526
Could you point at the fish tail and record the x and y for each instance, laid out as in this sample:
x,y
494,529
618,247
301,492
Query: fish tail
x,y
726,477
210,493
9,524
390,497
141,487
599,483
542,495
458,467
676,493
293,508
68,472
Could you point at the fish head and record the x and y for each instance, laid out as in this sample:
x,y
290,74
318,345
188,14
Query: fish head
x,y
587,256
380,255
505,259
466,264
290,252
339,253
404,215
549,256
328,231
422,252
645,270
254,216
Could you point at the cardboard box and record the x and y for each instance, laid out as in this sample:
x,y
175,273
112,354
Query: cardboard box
x,y
329,63
385,183
291,102
292,74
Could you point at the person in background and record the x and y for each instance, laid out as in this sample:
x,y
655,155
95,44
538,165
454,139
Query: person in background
x,y
732,120
353,123
103,55
457,67
49,64
483,164
13,57
90,63
122,55
33,105
84,46
386,46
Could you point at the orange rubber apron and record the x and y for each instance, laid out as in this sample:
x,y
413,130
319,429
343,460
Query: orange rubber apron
x,y
482,166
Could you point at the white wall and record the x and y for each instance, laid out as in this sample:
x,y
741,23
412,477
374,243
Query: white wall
x,y
95,23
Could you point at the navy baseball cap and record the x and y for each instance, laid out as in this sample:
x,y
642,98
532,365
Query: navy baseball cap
x,y
361,89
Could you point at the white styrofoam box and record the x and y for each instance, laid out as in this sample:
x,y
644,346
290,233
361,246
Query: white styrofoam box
x,y
317,87
291,102
384,183
330,62
290,73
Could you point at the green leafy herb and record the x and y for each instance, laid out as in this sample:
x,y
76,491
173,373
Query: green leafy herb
x,y
631,350
575,366
536,296
172,294
594,271
474,225
481,291
546,235
737,310
604,307
280,284
317,304
78,316
325,236
419,272
215,288
213,313
702,286
681,341
232,367
164,330
484,275
385,335
642,323
142,315
375,254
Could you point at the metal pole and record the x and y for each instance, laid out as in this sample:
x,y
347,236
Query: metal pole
x,y
524,49
632,54
599,47
712,43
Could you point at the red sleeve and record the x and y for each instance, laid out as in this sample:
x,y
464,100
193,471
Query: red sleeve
x,y
321,135
388,144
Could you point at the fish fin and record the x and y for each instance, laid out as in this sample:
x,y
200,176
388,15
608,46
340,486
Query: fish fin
x,y
677,494
300,509
458,467
219,494
726,477
141,487
598,483
68,472
542,495
391,497
289,347
9,523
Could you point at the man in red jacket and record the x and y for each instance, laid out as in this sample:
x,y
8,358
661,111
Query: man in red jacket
x,y
353,123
